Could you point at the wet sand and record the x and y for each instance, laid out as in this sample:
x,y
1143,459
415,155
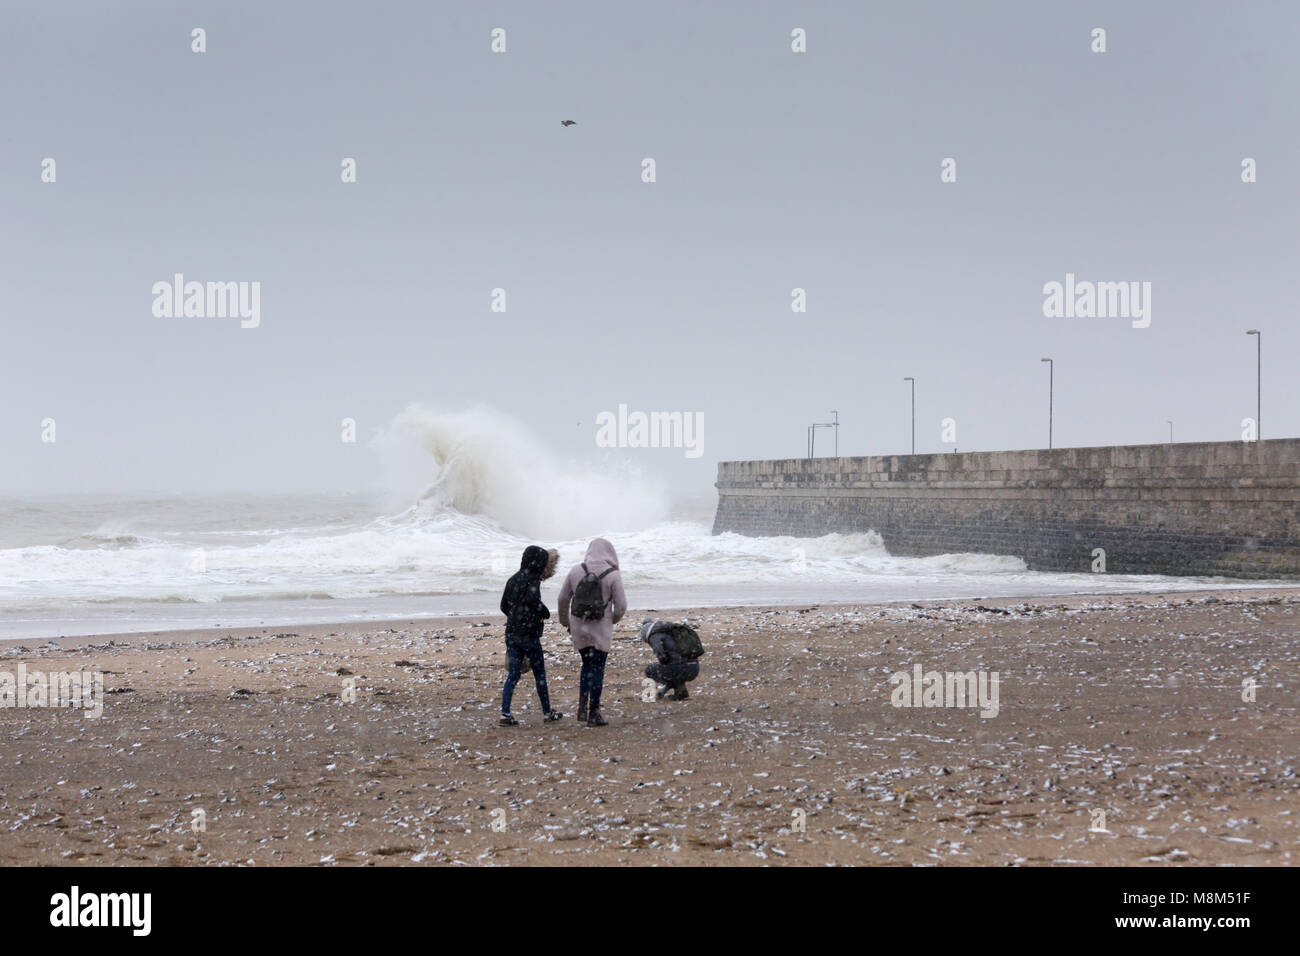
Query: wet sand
x,y
1128,705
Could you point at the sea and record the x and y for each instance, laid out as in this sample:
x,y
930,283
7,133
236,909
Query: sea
x,y
460,498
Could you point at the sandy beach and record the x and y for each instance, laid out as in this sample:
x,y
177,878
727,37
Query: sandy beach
x,y
789,750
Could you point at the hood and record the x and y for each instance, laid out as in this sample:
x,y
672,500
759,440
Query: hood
x,y
534,560
646,627
601,552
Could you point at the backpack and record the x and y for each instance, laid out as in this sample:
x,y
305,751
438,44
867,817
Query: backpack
x,y
687,641
588,602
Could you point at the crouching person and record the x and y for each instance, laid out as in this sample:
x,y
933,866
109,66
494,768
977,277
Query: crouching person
x,y
678,649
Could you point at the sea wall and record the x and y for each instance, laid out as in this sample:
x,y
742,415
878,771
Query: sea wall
x,y
1210,508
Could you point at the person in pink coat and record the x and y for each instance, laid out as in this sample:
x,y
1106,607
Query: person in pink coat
x,y
591,603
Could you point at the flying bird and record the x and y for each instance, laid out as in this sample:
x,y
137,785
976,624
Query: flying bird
x,y
568,122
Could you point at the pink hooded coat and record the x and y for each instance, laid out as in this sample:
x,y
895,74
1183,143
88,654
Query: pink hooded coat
x,y
597,634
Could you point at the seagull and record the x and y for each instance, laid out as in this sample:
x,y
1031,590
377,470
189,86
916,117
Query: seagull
x,y
568,122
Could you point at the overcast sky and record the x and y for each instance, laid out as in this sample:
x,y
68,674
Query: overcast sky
x,y
775,170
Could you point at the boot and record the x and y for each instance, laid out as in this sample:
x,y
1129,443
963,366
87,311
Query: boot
x,y
682,693
582,708
594,719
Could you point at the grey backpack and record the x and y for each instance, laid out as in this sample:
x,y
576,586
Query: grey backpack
x,y
588,602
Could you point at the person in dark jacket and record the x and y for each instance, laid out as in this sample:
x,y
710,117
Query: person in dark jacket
x,y
526,616
674,668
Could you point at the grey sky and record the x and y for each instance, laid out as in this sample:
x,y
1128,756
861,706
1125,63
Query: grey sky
x,y
775,170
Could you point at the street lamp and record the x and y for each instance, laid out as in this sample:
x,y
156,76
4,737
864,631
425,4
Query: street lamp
x,y
908,378
1171,431
836,424
1259,367
1051,388
812,436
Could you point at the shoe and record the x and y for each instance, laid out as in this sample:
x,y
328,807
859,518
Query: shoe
x,y
508,721
682,693
595,720
582,708
553,715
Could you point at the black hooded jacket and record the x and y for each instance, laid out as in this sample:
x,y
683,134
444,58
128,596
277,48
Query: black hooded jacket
x,y
521,602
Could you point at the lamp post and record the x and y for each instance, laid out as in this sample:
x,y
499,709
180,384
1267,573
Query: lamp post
x,y
1171,431
1259,368
908,378
836,425
812,436
1051,389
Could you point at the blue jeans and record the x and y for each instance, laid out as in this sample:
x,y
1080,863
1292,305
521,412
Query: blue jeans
x,y
517,655
592,680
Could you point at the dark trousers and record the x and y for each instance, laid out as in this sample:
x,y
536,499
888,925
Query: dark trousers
x,y
517,655
674,674
592,680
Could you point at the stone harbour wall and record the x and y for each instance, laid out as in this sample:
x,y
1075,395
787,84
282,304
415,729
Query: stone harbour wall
x,y
1209,508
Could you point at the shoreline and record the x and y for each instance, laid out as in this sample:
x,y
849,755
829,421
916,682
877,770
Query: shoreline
x,y
453,617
